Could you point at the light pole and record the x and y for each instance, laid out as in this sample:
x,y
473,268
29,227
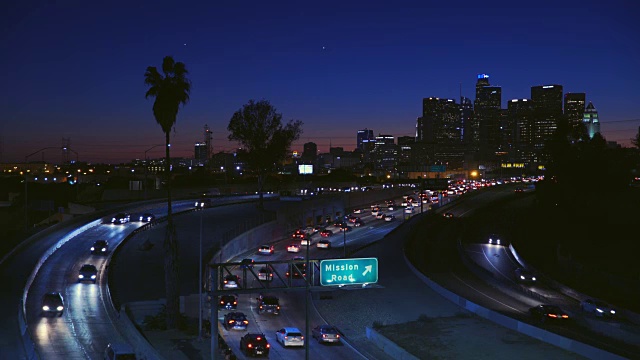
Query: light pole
x,y
200,282
146,165
344,241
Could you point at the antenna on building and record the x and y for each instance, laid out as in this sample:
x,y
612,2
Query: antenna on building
x,y
66,144
207,142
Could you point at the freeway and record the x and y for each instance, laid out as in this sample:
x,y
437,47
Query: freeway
x,y
85,328
488,279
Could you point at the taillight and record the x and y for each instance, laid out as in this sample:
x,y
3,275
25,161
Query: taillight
x,y
565,316
246,321
553,315
268,346
250,345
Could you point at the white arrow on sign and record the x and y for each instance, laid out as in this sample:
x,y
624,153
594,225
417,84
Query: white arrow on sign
x,y
367,269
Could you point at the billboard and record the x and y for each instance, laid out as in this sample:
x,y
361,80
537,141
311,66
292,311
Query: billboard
x,y
305,169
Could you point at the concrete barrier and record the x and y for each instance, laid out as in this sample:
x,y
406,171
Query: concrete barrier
x,y
577,347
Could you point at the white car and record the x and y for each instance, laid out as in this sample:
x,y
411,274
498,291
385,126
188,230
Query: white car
x,y
266,249
357,211
324,244
389,217
293,248
597,307
305,242
375,211
290,336
408,210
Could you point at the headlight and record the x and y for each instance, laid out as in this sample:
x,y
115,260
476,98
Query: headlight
x,y
59,308
598,310
498,241
92,248
93,277
45,308
533,278
521,277
613,311
104,249
80,276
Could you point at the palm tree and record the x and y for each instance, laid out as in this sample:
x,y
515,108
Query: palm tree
x,y
170,90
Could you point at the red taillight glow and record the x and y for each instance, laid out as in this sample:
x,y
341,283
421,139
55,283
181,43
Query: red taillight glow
x,y
565,316
268,346
553,315
250,345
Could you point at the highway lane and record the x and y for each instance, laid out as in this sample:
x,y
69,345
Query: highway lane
x,y
85,328
293,302
499,291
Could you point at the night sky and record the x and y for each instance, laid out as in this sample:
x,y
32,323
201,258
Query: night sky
x,y
74,69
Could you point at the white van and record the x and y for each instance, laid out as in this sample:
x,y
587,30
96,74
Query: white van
x,y
119,351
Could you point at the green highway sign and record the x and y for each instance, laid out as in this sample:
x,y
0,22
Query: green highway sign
x,y
348,271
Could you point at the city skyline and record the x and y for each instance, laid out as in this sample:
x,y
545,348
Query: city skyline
x,y
343,69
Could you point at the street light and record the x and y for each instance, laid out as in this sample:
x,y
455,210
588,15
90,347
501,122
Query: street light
x,y
200,282
147,165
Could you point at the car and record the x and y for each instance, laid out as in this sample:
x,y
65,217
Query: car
x,y
518,190
358,223
88,272
120,218
380,216
247,263
268,304
545,312
357,211
293,248
597,307
324,244
494,239
339,224
231,282
344,227
52,303
305,242
265,274
325,334
326,233
525,276
266,249
146,217
299,234
408,210
391,207
119,351
389,217
228,302
203,203
375,211
290,336
100,247
235,321
310,230
448,215
254,344
297,270
352,218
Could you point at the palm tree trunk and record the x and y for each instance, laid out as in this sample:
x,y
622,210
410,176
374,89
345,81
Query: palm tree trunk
x,y
170,254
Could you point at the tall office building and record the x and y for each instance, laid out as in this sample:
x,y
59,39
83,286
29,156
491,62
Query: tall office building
x,y
591,120
200,153
520,113
385,152
574,104
439,131
309,152
365,140
487,115
547,113
469,131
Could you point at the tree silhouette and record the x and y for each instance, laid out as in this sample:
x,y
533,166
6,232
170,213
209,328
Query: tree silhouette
x,y
170,90
258,128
